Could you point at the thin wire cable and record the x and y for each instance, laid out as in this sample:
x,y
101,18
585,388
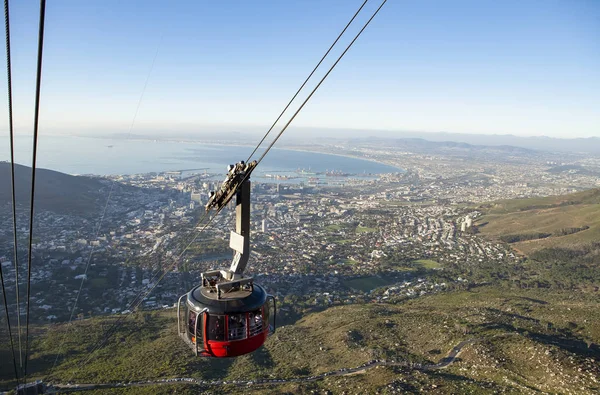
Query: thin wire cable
x,y
140,297
36,118
110,192
12,346
12,175
306,80
137,301
318,85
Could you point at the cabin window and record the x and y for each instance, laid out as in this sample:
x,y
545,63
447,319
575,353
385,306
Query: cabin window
x,y
266,313
216,327
237,326
255,321
192,322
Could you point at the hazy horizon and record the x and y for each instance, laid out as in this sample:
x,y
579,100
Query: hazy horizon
x,y
467,67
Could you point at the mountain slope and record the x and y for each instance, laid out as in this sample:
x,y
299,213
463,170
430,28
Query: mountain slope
x,y
568,221
510,340
57,192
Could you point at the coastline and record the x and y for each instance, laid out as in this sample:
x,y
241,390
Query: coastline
x,y
400,170
192,145
220,144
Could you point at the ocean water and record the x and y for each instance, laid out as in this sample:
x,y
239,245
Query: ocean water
x,y
103,156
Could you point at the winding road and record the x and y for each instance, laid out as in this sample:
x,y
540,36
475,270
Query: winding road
x,y
443,363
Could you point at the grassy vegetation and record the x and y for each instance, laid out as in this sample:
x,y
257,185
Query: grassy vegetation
x,y
531,331
552,215
428,263
559,235
523,237
591,196
503,323
366,284
150,390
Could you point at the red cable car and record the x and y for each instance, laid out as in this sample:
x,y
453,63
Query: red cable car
x,y
236,323
227,315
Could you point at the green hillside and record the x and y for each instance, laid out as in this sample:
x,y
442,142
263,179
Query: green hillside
x,y
530,326
559,235
591,196
515,339
570,220
57,192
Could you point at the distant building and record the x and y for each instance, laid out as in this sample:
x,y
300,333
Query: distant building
x,y
466,223
196,197
264,226
302,218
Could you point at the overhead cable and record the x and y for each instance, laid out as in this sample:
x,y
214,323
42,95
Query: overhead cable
x,y
142,295
306,80
320,82
10,336
36,118
110,193
140,298
12,176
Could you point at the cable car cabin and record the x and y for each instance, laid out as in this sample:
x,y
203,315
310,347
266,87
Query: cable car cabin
x,y
228,315
217,322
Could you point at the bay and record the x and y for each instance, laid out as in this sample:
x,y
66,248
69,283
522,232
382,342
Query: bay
x,y
105,156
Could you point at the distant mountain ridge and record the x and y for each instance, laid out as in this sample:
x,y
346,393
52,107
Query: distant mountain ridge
x,y
540,143
299,135
54,191
500,153
421,143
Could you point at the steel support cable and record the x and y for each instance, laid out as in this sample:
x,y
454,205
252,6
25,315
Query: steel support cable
x,y
141,296
110,192
36,118
319,84
307,79
14,198
138,301
83,278
12,346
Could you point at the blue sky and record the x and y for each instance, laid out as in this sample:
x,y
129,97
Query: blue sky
x,y
504,67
